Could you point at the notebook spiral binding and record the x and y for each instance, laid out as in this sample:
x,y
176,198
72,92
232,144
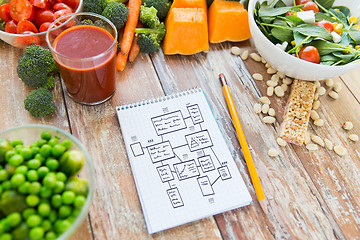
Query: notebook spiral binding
x,y
159,99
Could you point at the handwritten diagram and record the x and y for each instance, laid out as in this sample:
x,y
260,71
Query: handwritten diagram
x,y
185,153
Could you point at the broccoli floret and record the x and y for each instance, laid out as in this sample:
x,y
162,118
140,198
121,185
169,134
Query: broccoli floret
x,y
36,67
162,6
117,13
39,102
149,39
94,6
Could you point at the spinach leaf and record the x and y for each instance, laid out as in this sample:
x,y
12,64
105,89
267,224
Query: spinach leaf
x,y
326,47
340,16
329,57
346,57
345,40
314,31
326,3
267,19
355,35
280,3
280,33
344,10
293,20
267,11
299,38
319,16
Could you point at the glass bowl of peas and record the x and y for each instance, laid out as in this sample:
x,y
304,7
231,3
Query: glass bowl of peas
x,y
46,183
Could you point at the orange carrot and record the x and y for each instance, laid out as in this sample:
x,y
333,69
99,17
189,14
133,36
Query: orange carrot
x,y
129,32
134,50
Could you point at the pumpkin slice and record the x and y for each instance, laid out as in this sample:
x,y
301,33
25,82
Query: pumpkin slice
x,y
228,21
186,31
189,4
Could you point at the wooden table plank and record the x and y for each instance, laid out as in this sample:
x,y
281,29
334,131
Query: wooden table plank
x,y
116,212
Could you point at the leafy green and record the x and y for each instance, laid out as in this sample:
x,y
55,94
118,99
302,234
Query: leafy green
x,y
267,11
325,3
314,31
354,35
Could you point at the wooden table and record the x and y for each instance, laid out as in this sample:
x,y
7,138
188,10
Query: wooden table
x,y
311,195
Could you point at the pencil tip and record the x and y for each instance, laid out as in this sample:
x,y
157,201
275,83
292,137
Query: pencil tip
x,y
264,206
222,79
221,75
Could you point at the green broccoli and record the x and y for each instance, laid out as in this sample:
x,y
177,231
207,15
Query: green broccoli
x,y
36,67
94,6
149,39
117,13
162,6
39,102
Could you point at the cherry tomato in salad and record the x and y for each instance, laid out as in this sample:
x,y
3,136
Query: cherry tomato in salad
x,y
44,27
42,15
311,6
21,9
71,3
61,13
26,25
59,6
326,24
300,2
43,4
11,27
27,40
5,12
310,54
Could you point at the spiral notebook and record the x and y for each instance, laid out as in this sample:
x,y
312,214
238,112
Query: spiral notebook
x,y
182,167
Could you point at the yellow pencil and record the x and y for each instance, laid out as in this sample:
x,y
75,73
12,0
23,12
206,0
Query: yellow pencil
x,y
244,146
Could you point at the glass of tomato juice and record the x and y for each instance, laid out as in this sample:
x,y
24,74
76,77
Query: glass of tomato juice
x,y
84,47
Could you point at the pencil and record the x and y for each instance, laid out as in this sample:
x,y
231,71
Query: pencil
x,y
244,146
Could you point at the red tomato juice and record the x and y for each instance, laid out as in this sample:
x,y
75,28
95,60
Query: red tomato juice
x,y
86,64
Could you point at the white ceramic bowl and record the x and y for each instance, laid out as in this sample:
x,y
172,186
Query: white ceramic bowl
x,y
21,40
290,65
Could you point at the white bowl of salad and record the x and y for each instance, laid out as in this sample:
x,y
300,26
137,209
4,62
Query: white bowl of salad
x,y
307,39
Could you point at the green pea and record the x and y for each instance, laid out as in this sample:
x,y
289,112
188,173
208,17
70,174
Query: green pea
x,y
52,164
56,201
32,175
18,148
6,236
6,185
59,187
49,180
4,226
1,190
66,143
53,141
76,212
45,150
14,219
16,159
50,235
21,232
17,179
57,150
33,220
46,225
68,197
45,192
44,209
4,175
24,188
42,171
79,201
34,163
62,226
35,150
34,188
10,168
45,200
46,135
65,211
60,176
53,216
32,200
21,169
40,157
16,142
28,212
36,233
9,154
26,153
41,142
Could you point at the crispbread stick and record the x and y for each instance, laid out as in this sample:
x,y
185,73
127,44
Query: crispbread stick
x,y
297,112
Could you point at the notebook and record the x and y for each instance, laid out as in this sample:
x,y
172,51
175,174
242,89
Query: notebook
x,y
182,167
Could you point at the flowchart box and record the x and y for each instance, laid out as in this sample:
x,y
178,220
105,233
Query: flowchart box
x,y
161,151
205,186
195,114
136,149
224,172
199,140
168,123
206,163
165,173
175,197
186,170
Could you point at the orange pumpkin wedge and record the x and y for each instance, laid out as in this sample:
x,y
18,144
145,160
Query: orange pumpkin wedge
x,y
186,31
189,4
228,21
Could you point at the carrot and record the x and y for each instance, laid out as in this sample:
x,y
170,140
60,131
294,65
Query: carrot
x,y
129,32
135,48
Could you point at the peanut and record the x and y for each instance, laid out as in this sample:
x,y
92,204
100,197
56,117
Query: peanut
x,y
256,57
258,76
271,83
270,91
307,138
284,87
337,87
333,95
265,100
279,91
348,125
265,108
271,70
235,51
281,142
316,104
328,144
312,147
272,152
287,81
271,112
329,82
245,55
317,140
339,150
354,137
275,78
314,115
257,108
319,122
268,119
321,91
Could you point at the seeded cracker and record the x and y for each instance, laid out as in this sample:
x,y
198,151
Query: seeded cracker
x,y
297,112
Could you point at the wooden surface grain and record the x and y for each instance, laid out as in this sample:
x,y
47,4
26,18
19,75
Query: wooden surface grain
x,y
311,195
